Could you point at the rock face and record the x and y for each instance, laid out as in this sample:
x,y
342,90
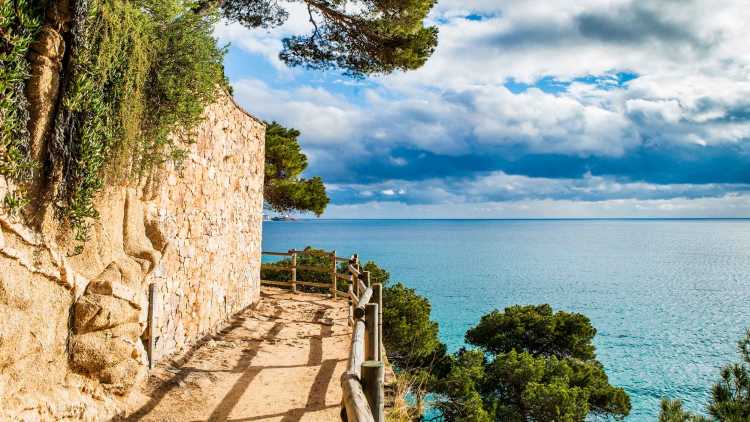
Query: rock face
x,y
45,60
194,231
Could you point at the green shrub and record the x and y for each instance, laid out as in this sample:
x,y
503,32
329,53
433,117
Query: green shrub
x,y
19,23
532,364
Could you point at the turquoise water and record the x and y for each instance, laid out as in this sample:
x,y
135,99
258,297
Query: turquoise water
x,y
669,298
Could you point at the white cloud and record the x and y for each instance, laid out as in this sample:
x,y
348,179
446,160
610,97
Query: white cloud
x,y
693,88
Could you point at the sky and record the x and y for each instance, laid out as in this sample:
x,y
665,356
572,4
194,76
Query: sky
x,y
562,109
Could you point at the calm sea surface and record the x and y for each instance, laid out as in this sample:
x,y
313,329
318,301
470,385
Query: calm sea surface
x,y
669,298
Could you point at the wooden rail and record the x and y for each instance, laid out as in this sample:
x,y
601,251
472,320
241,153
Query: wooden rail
x,y
362,383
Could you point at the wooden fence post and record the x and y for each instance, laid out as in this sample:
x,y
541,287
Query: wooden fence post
x,y
356,265
373,378
333,274
377,297
151,322
351,305
354,279
372,339
294,270
367,278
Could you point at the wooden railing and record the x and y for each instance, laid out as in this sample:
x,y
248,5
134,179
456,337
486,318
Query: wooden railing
x,y
362,382
294,267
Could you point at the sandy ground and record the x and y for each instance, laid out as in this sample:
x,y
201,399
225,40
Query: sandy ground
x,y
281,361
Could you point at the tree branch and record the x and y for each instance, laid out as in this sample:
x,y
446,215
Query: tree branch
x,y
312,21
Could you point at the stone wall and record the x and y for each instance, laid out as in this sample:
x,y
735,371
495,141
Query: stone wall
x,y
73,326
212,212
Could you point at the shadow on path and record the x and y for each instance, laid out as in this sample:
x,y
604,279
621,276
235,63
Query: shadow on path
x,y
316,396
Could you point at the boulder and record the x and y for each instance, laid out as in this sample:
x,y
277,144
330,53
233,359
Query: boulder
x,y
96,312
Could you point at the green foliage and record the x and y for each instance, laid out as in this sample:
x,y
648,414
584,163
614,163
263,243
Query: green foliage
x,y
141,70
535,329
357,36
410,336
730,396
283,188
377,274
461,389
555,402
531,365
182,80
19,23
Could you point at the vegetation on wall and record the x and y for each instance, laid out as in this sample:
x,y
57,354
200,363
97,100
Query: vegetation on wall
x,y
359,37
20,21
284,190
730,396
142,72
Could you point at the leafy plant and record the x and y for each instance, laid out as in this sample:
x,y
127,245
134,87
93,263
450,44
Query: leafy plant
x,y
20,21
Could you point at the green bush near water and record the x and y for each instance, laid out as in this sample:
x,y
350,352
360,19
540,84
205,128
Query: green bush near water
x,y
142,72
529,364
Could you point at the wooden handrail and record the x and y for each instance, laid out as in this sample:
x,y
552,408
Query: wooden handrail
x,y
364,299
355,403
275,267
357,356
276,253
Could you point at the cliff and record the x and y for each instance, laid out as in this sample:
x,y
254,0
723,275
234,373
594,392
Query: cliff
x,y
74,327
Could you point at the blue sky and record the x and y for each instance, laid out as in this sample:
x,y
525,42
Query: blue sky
x,y
581,108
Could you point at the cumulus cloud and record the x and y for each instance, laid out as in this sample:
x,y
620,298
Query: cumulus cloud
x,y
586,100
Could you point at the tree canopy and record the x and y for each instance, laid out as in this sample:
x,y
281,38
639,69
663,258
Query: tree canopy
x,y
359,37
537,330
284,190
530,365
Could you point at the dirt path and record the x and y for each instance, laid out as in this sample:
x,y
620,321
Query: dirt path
x,y
279,362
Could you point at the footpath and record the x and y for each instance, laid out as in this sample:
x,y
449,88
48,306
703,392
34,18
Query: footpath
x,y
278,362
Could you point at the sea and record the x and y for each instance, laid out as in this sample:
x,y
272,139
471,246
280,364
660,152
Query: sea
x,y
669,298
